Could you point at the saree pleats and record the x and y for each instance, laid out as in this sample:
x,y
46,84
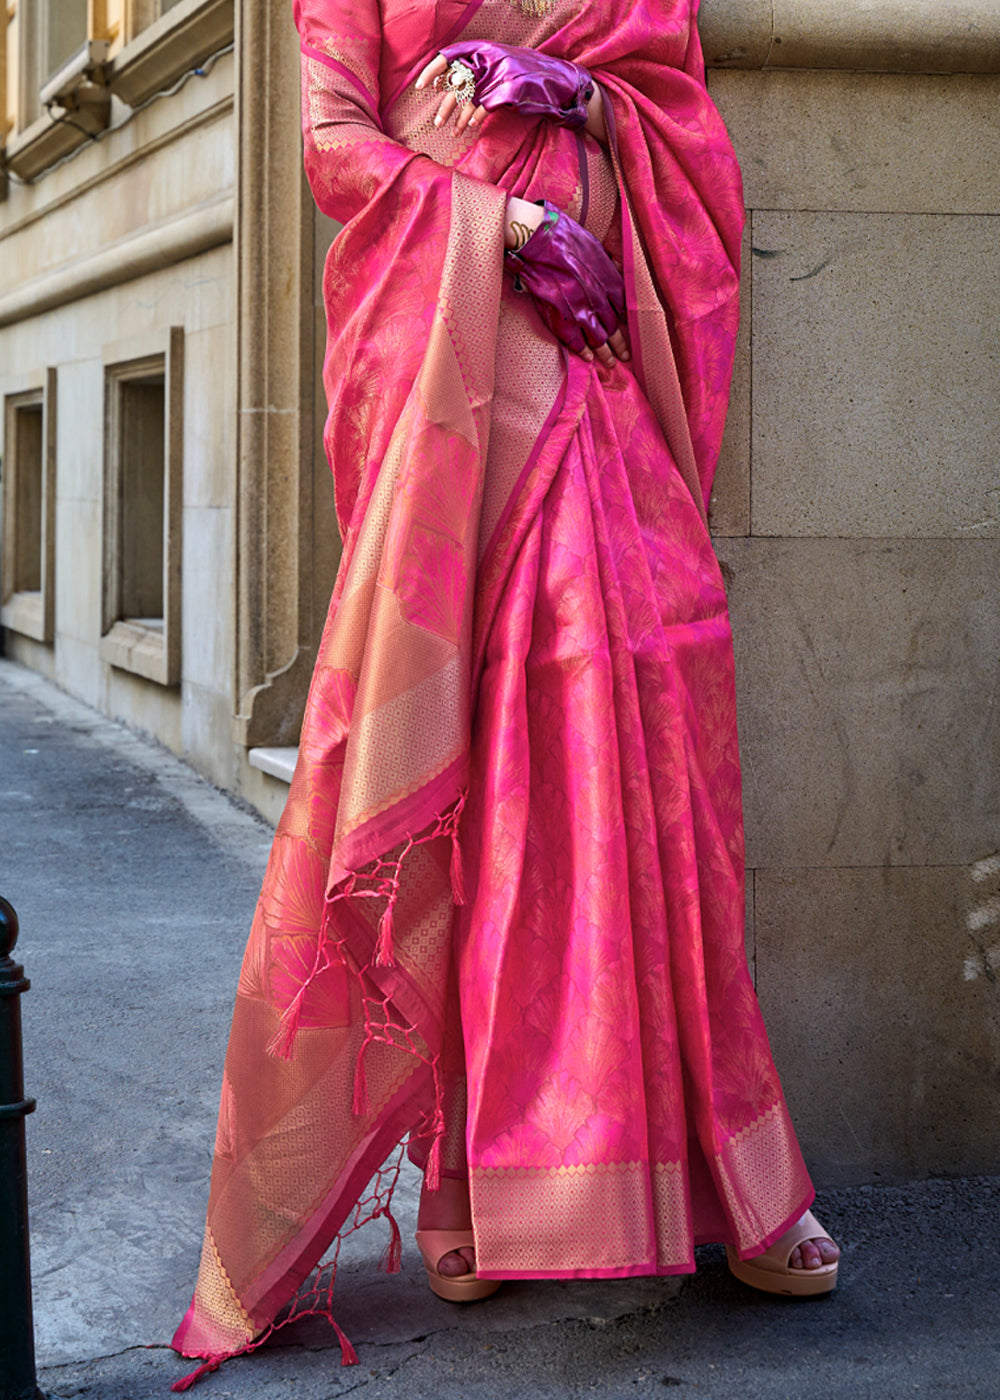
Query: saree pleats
x,y
503,915
604,837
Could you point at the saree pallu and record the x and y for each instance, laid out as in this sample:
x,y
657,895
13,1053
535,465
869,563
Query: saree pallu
x,y
503,914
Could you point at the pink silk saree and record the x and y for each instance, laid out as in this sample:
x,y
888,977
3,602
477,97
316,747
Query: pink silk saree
x,y
503,914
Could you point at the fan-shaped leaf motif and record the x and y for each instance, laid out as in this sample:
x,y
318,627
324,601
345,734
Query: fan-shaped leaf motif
x,y
521,1146
323,802
560,1111
252,977
292,900
612,999
325,729
440,564
520,1062
294,965
225,1142
597,1056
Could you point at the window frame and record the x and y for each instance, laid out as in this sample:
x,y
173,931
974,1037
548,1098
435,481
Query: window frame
x,y
150,652
29,612
135,48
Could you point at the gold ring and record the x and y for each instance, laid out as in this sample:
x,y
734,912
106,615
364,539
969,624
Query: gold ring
x,y
460,81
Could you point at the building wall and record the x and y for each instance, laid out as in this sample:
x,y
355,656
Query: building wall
x,y
100,256
857,520
194,717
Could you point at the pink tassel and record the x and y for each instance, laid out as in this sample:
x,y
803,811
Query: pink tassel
x,y
432,1172
282,1043
348,1356
360,1104
457,872
186,1382
392,1259
383,949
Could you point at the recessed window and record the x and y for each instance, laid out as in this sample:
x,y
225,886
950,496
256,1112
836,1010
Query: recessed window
x,y
26,445
142,461
142,509
28,509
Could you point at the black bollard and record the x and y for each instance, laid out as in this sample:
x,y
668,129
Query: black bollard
x,y
17,1337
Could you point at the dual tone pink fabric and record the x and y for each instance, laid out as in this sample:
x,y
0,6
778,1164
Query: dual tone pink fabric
x,y
516,811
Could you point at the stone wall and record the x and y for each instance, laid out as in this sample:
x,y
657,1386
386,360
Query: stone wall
x,y
102,253
857,515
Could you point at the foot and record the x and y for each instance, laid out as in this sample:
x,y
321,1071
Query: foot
x,y
802,1263
448,1208
812,1254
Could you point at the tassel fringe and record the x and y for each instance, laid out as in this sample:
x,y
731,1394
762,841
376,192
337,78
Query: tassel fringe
x,y
382,881
360,1104
186,1382
457,872
383,949
282,1044
392,1258
432,1172
348,1356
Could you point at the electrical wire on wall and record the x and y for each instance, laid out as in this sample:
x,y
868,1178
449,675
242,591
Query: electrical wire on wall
x,y
200,70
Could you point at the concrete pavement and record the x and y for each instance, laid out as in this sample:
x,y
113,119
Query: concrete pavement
x,y
135,881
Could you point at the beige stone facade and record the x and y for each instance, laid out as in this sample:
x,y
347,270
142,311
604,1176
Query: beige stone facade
x,y
857,516
168,540
159,273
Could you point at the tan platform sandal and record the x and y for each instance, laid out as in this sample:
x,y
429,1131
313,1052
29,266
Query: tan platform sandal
x,y
772,1272
463,1288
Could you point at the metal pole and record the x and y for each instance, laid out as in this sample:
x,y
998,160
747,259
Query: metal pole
x,y
17,1337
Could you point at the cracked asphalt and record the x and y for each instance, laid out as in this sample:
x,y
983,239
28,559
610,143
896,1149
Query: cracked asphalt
x,y
135,882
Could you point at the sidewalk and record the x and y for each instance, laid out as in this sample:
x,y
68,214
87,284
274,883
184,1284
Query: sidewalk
x,y
135,882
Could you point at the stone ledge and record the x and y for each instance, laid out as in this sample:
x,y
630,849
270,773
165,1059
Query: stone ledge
x,y
279,762
137,646
880,36
50,138
25,613
181,38
195,231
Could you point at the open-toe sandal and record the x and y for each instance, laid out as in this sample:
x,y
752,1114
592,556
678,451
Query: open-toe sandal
x,y
772,1272
463,1288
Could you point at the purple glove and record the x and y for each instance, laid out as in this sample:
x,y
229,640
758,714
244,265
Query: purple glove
x,y
579,291
535,83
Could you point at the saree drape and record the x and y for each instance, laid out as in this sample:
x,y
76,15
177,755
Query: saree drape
x,y
503,914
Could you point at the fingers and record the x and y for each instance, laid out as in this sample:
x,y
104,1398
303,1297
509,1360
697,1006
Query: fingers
x,y
614,349
619,344
469,116
604,353
435,69
445,110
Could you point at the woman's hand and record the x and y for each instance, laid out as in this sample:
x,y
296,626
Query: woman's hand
x,y
501,75
469,114
579,292
522,218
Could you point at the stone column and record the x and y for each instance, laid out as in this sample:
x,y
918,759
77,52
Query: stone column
x,y
275,384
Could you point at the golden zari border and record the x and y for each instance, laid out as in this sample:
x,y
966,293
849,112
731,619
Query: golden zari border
x,y
762,1176
594,1218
